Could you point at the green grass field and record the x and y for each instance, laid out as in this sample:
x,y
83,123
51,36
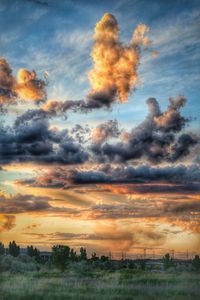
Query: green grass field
x,y
98,285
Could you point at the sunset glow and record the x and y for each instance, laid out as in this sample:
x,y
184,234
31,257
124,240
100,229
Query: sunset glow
x,y
99,131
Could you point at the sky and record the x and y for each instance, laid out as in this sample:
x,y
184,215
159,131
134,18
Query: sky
x,y
99,124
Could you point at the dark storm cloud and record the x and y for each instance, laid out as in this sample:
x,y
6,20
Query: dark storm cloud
x,y
158,138
183,179
35,142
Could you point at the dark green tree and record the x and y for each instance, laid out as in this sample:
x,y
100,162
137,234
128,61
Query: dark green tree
x,y
131,265
167,261
33,252
94,256
83,253
2,248
196,263
104,258
13,249
60,256
143,265
73,255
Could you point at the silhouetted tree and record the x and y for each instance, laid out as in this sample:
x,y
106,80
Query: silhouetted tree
x,y
33,252
73,255
2,248
131,264
13,249
94,256
104,258
196,263
83,253
143,265
167,261
60,256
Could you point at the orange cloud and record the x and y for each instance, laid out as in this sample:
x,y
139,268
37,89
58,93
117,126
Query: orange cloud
x,y
115,65
7,222
27,86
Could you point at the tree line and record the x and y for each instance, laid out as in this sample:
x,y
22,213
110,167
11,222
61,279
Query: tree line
x,y
61,255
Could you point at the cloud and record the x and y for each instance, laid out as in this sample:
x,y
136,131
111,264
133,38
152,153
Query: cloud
x,y
7,222
27,86
111,236
18,203
104,131
27,203
7,82
113,76
34,142
171,119
156,139
114,73
183,179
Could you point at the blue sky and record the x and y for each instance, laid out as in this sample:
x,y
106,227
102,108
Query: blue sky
x,y
58,38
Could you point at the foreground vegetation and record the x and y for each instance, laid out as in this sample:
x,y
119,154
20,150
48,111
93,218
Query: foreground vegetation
x,y
68,275
121,284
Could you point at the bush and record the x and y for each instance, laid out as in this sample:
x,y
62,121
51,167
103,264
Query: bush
x,y
18,264
196,263
81,267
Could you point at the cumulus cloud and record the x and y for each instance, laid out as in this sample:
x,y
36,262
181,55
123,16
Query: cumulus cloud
x,y
158,138
114,73
7,82
104,131
113,76
34,141
27,86
171,119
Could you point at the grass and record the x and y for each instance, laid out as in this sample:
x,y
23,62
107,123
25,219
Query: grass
x,y
99,285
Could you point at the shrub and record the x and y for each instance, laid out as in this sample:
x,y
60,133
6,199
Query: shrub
x,y
18,264
168,261
196,263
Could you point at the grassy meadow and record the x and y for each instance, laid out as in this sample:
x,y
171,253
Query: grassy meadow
x,y
98,285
